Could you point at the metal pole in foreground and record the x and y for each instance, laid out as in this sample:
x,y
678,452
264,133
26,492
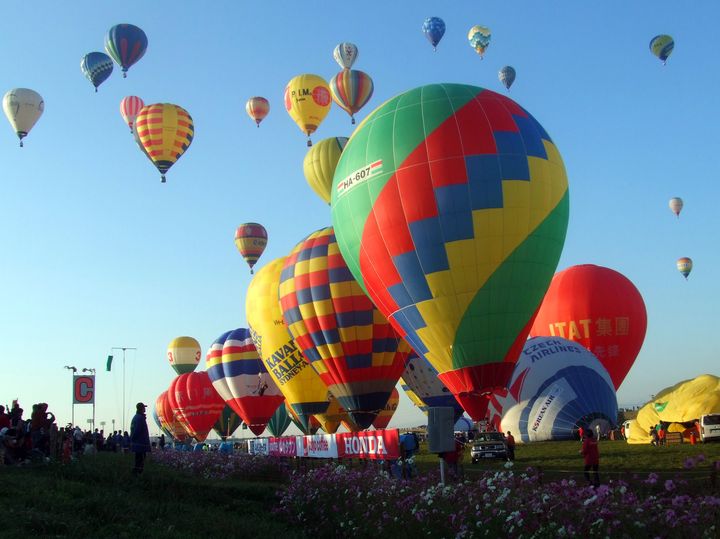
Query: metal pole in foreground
x,y
74,370
123,348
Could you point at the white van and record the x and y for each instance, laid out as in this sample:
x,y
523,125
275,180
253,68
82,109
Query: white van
x,y
710,427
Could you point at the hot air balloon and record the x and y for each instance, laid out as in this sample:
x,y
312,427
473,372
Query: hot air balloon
x,y
240,377
159,418
560,386
227,423
676,205
351,89
507,76
452,217
184,354
166,414
97,67
312,425
279,422
345,55
126,44
319,165
257,108
307,101
166,132
479,38
347,340
422,379
684,266
129,108
23,107
417,401
251,240
662,47
434,30
599,308
331,418
383,418
196,403
303,389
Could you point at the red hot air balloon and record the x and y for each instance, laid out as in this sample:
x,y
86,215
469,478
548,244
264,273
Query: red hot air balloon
x,y
174,426
599,308
196,403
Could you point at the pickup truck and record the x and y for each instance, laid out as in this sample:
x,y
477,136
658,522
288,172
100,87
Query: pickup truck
x,y
488,445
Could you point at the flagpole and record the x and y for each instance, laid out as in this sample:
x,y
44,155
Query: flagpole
x,y
123,348
74,370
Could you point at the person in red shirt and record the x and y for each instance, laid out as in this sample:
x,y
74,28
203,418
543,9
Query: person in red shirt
x,y
510,446
4,418
581,433
591,454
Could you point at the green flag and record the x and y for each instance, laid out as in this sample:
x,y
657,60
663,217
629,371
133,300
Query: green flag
x,y
109,363
660,406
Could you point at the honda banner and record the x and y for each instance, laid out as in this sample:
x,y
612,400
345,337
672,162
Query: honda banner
x,y
374,444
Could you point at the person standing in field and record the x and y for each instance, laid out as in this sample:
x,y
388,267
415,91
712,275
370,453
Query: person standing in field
x,y
510,446
139,438
591,454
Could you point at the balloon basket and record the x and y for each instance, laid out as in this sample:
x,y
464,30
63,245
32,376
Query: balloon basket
x,y
162,178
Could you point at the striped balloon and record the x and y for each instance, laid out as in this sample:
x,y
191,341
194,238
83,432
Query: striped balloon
x,y
347,340
97,67
241,378
383,418
351,89
166,132
126,43
175,428
184,354
196,403
257,108
227,423
345,54
422,379
684,266
251,240
129,108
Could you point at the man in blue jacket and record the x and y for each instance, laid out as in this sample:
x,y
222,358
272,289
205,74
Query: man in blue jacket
x,y
139,437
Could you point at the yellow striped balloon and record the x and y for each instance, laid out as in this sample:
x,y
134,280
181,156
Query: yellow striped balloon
x,y
166,132
251,240
319,165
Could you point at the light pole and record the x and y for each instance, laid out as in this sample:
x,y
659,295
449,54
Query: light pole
x,y
123,348
74,370
92,371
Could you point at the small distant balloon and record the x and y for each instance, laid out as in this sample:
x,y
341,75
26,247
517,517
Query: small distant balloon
x,y
676,205
507,76
434,30
351,89
97,67
662,47
257,108
126,43
345,54
479,38
23,107
684,266
250,240
129,108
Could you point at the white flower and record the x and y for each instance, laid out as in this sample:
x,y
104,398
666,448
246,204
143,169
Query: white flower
x,y
590,500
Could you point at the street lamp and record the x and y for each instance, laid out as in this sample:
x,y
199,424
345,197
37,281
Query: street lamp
x,y
123,348
74,370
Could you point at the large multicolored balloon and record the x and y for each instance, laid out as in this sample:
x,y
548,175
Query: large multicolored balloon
x,y
97,67
166,132
279,422
227,423
304,391
676,205
251,240
421,378
684,266
599,308
383,418
450,206
129,108
319,165
23,108
241,378
417,401
184,354
557,387
126,44
195,403
662,47
345,55
434,30
307,101
349,343
507,76
479,38
257,108
351,89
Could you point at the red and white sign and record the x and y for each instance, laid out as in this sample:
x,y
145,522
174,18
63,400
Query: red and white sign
x,y
285,446
319,446
83,389
375,445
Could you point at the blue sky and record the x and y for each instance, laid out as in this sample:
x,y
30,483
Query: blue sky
x,y
98,253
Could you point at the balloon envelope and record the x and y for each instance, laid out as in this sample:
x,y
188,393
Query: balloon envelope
x,y
302,387
279,422
345,54
257,108
331,418
23,107
184,354
351,89
558,386
450,205
319,165
196,404
676,205
126,43
307,101
684,266
422,379
479,38
434,30
251,240
662,46
97,67
347,340
383,418
166,132
599,308
167,415
227,423
507,76
129,108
